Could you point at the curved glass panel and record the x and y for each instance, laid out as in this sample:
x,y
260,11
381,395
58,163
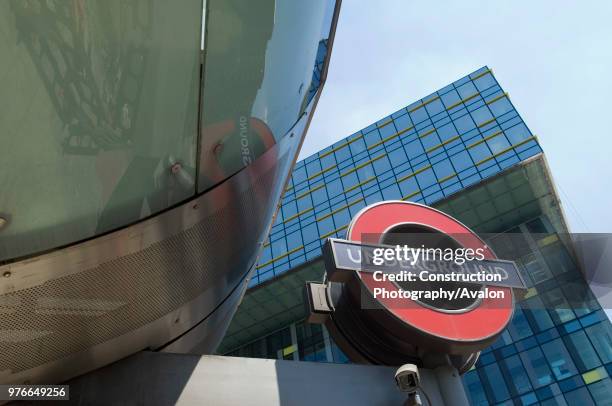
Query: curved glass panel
x,y
263,62
99,108
98,115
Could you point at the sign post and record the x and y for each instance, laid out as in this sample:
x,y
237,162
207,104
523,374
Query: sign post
x,y
410,284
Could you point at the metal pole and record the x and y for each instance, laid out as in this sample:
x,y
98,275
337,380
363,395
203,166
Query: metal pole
x,y
451,387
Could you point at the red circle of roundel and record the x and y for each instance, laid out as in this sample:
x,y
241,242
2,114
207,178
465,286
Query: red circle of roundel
x,y
483,321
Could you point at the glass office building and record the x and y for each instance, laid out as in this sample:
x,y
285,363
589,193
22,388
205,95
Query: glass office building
x,y
429,150
466,151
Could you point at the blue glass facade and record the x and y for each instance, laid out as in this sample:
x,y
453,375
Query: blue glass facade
x,y
453,138
558,348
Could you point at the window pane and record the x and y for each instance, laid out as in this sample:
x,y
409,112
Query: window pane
x,y
601,337
579,397
602,392
559,359
500,106
418,115
484,82
537,314
582,351
481,115
464,124
466,90
493,382
516,377
560,309
536,367
474,389
519,327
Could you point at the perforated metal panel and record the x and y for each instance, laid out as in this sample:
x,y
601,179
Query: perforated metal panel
x,y
72,314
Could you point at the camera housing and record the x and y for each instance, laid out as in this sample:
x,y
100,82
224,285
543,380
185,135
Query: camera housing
x,y
407,378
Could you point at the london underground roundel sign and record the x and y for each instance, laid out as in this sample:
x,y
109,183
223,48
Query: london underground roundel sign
x,y
487,318
380,306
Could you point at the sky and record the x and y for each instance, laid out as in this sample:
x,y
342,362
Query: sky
x,y
554,58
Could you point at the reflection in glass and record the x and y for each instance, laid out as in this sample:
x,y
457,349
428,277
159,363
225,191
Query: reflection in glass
x,y
98,117
561,310
601,391
582,351
601,337
558,258
559,359
579,397
493,383
537,314
259,64
516,376
101,98
474,389
519,327
536,367
535,268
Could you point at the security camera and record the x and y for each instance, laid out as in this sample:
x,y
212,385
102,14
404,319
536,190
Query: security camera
x,y
407,378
